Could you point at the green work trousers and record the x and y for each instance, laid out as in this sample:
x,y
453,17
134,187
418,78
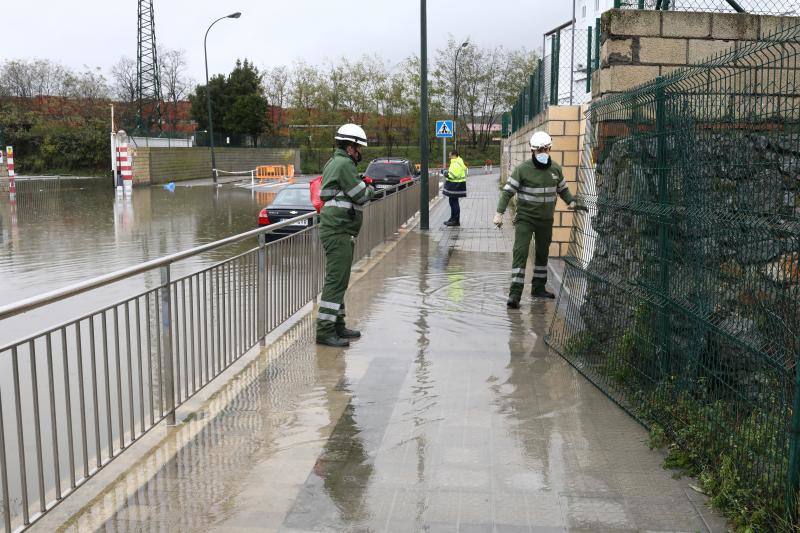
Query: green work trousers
x,y
339,248
542,232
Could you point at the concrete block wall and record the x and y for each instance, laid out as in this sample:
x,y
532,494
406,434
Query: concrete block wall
x,y
637,46
162,165
567,126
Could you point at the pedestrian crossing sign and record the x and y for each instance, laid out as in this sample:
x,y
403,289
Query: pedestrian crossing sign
x,y
444,129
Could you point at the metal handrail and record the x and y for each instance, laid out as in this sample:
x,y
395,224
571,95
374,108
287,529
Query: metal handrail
x,y
128,366
81,287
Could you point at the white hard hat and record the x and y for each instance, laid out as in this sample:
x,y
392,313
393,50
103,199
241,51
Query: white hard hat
x,y
540,140
353,133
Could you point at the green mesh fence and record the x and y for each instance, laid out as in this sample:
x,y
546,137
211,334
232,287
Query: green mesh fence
x,y
757,7
682,281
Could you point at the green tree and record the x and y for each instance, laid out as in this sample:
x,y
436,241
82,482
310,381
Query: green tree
x,y
247,115
219,101
237,101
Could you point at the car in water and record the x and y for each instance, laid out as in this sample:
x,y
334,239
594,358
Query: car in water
x,y
388,172
290,202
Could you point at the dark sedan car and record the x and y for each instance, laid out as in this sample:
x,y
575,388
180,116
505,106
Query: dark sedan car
x,y
386,172
293,201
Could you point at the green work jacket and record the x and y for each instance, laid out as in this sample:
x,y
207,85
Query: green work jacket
x,y
536,190
344,196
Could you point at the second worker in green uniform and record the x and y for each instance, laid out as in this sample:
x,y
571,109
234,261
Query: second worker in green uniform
x,y
536,182
344,194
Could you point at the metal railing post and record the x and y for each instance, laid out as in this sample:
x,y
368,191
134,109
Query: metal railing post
x,y
166,345
589,60
793,477
597,44
663,236
262,289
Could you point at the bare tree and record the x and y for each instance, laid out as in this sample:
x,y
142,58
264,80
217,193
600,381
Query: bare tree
x,y
277,86
30,78
123,74
175,84
488,82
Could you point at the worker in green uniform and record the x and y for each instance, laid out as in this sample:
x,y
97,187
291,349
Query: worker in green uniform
x,y
344,196
455,187
536,182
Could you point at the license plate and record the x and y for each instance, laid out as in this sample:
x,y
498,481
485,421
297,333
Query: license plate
x,y
300,223
384,186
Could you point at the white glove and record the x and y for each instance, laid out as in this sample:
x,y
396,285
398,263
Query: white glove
x,y
572,205
498,220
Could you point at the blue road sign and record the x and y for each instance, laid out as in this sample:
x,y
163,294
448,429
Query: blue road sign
x,y
444,129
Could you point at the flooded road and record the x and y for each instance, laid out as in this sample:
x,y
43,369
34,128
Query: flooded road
x,y
62,233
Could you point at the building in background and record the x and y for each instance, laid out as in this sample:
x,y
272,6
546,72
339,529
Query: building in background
x,y
572,66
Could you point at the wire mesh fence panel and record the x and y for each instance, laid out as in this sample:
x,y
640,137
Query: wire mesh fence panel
x,y
561,77
682,281
758,7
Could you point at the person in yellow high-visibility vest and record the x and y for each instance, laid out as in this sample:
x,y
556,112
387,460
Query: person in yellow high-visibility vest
x,y
455,187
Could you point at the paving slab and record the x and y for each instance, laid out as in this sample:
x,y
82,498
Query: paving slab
x,y
450,414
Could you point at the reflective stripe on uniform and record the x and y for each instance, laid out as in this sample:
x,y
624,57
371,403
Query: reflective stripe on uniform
x,y
536,199
509,188
326,317
562,185
329,192
357,189
346,204
330,305
540,268
538,190
540,275
518,279
517,270
514,183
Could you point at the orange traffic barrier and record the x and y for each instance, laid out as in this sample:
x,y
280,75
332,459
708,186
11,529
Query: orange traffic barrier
x,y
275,172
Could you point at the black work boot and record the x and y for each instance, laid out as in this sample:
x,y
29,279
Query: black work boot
x,y
332,340
512,303
542,293
452,223
345,333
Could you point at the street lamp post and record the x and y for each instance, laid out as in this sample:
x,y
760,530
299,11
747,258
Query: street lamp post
x,y
423,117
455,92
208,96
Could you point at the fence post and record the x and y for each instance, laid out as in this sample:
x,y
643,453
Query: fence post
x,y
262,288
166,344
589,60
553,68
597,45
793,477
532,95
663,237
572,58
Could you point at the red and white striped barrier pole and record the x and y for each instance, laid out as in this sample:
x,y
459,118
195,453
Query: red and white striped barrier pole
x,y
12,186
125,166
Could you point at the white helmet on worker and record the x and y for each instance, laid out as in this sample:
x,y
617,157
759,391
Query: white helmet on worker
x,y
352,133
540,139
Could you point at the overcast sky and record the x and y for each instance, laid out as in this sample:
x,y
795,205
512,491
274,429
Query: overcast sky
x,y
97,33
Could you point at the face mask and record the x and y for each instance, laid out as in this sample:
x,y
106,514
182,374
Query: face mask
x,y
543,158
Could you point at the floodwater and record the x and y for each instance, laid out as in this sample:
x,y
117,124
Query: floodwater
x,y
60,233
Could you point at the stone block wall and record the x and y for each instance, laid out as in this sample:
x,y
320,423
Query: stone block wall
x,y
566,125
163,165
637,46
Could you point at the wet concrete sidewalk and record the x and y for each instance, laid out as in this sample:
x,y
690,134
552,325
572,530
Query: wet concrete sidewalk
x,y
449,415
